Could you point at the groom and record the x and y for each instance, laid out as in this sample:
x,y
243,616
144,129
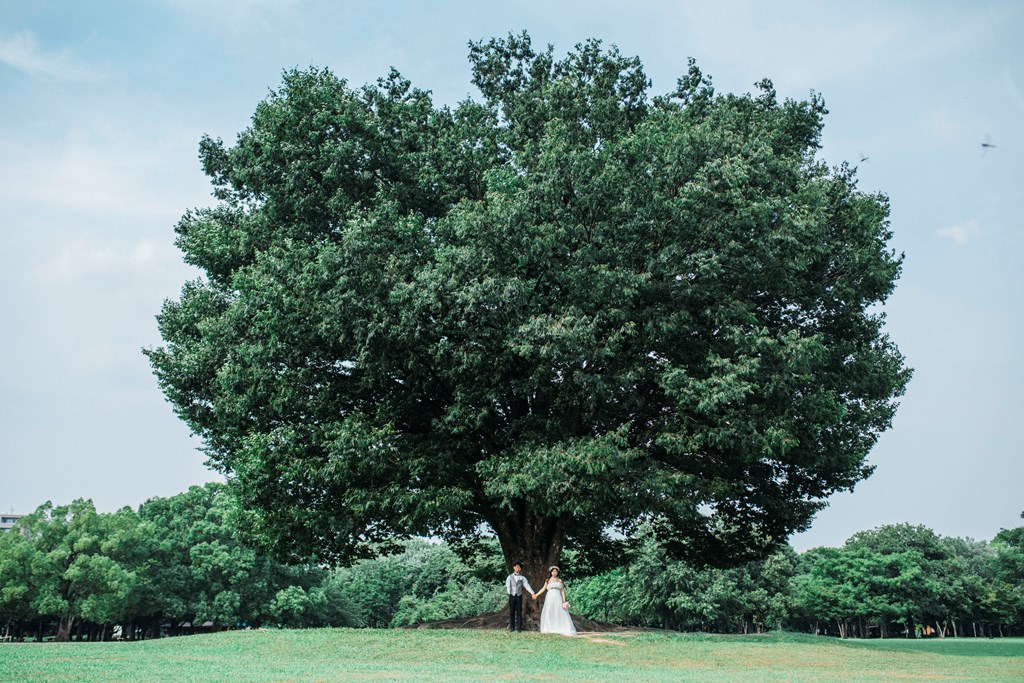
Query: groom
x,y
514,585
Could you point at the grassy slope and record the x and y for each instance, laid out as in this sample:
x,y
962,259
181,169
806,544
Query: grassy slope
x,y
341,654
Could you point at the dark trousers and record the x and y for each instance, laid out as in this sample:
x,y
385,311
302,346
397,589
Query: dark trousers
x,y
515,612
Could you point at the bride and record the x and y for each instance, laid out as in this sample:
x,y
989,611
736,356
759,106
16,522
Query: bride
x,y
554,617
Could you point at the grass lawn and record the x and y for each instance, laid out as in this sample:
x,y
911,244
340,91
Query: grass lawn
x,y
471,655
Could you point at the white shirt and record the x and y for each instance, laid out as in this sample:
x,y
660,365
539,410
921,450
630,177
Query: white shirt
x,y
515,582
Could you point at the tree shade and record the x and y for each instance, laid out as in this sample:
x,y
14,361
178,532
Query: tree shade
x,y
557,313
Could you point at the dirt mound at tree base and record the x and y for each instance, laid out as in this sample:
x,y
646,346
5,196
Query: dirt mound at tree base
x,y
498,621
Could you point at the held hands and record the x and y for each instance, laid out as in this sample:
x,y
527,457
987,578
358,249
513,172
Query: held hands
x,y
533,595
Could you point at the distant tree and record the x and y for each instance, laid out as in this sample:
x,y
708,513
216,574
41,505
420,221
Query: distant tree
x,y
830,590
937,579
16,587
1003,597
294,606
73,577
378,586
341,607
648,590
425,582
653,590
1009,557
204,571
766,584
564,309
122,562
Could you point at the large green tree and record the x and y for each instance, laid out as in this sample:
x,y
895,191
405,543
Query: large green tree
x,y
562,310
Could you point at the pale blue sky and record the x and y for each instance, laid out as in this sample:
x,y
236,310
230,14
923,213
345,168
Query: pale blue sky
x,y
104,104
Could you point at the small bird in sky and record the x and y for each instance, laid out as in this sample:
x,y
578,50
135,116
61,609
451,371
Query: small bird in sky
x,y
864,157
987,145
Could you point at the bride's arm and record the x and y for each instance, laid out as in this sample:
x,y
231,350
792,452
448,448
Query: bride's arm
x,y
541,591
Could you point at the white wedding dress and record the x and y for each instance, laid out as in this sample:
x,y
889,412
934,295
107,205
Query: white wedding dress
x,y
553,618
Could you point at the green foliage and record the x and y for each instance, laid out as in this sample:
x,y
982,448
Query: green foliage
x,y
1009,560
426,582
16,585
180,560
885,582
76,561
919,572
565,308
294,606
654,590
201,570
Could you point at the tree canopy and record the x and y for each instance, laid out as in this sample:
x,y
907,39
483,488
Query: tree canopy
x,y
555,313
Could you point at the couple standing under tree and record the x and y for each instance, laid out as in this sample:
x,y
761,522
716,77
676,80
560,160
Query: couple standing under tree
x,y
554,617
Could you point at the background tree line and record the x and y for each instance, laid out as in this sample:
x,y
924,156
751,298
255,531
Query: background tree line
x,y
69,572
894,581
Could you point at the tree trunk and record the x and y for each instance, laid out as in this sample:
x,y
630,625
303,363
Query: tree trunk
x,y
911,627
535,541
64,624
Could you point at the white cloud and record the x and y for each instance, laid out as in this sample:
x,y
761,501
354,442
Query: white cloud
x,y
962,233
22,52
99,171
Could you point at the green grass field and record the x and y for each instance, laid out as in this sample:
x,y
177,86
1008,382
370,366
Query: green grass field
x,y
467,655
